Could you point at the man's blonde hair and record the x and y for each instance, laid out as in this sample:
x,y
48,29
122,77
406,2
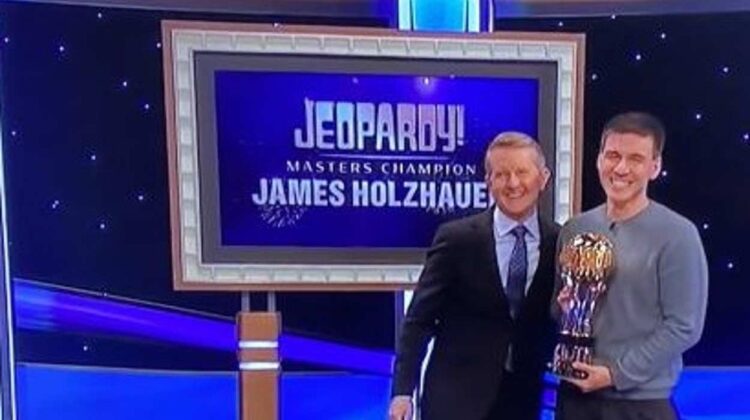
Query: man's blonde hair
x,y
514,139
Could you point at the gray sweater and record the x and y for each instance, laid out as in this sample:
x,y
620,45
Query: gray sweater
x,y
655,304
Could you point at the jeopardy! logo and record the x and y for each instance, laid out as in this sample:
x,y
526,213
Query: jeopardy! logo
x,y
368,154
381,127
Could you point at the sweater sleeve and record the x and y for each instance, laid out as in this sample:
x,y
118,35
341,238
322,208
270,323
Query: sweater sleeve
x,y
683,294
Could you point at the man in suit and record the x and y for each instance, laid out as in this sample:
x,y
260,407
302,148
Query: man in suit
x,y
483,296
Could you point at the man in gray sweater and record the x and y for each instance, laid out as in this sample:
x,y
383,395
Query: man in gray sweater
x,y
655,305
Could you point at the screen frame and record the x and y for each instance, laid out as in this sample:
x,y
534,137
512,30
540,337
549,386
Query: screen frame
x,y
207,63
201,263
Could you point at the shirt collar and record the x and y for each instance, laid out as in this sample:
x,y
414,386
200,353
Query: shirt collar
x,y
503,225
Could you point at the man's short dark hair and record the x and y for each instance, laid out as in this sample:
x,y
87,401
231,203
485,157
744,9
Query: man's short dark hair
x,y
640,123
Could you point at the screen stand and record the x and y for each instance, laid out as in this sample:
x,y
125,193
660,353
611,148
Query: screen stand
x,y
259,366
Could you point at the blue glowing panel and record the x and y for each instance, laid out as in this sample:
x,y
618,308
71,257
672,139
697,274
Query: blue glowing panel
x,y
73,393
354,151
445,15
63,393
714,393
47,309
334,397
330,354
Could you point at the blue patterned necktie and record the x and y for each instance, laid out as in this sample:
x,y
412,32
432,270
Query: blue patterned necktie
x,y
516,285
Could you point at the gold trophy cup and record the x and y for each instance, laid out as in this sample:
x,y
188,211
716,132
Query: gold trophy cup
x,y
585,261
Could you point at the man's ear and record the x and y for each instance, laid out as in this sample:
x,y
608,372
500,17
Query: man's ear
x,y
546,175
657,168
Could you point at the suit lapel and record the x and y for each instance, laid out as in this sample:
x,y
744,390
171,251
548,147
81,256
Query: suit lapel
x,y
547,249
487,235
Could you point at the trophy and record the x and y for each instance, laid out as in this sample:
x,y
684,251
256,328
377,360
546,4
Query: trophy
x,y
585,261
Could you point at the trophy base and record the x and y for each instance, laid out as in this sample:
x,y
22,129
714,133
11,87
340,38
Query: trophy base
x,y
571,349
566,370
